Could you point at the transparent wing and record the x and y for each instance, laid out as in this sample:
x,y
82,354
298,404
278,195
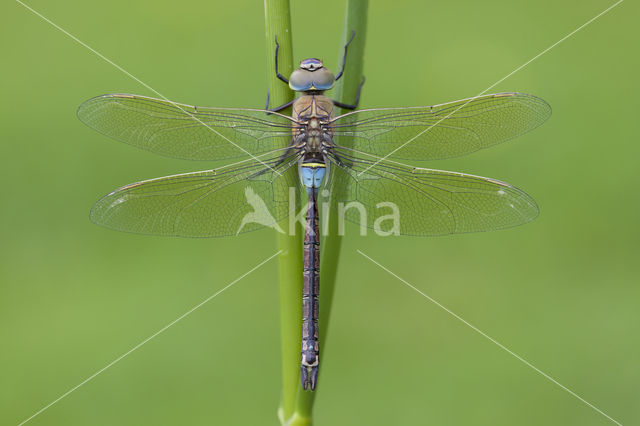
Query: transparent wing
x,y
441,131
213,203
186,131
427,202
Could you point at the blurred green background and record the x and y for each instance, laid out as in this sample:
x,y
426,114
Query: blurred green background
x,y
562,292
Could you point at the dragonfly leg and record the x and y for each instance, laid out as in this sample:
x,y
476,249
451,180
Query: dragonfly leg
x,y
356,101
281,160
336,158
344,58
276,109
286,154
280,76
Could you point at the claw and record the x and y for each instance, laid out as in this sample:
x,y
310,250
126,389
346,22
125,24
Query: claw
x,y
309,377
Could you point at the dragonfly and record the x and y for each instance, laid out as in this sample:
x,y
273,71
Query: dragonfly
x,y
351,158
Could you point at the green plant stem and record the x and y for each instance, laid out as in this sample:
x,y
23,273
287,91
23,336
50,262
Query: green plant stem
x,y
296,405
278,23
345,92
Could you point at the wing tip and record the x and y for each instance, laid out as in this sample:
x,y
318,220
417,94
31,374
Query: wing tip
x,y
84,105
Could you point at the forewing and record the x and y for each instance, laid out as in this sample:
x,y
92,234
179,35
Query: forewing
x,y
441,131
428,202
211,203
186,131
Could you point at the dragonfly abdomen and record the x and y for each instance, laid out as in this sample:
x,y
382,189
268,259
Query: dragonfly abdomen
x,y
312,172
310,294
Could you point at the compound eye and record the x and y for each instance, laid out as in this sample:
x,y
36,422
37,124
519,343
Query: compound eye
x,y
323,79
301,80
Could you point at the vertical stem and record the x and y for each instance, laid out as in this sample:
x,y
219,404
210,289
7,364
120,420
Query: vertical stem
x,y
355,20
345,92
296,405
278,23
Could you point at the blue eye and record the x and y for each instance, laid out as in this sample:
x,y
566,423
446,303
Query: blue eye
x,y
302,80
320,85
300,86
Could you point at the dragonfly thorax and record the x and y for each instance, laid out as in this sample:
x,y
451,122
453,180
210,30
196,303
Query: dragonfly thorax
x,y
313,114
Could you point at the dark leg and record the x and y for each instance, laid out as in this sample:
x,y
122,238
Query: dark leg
x,y
276,109
344,58
281,160
355,103
280,76
336,158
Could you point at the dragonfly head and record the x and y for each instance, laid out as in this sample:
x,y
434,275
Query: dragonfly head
x,y
311,76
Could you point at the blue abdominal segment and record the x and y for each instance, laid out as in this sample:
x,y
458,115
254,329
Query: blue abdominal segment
x,y
312,175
